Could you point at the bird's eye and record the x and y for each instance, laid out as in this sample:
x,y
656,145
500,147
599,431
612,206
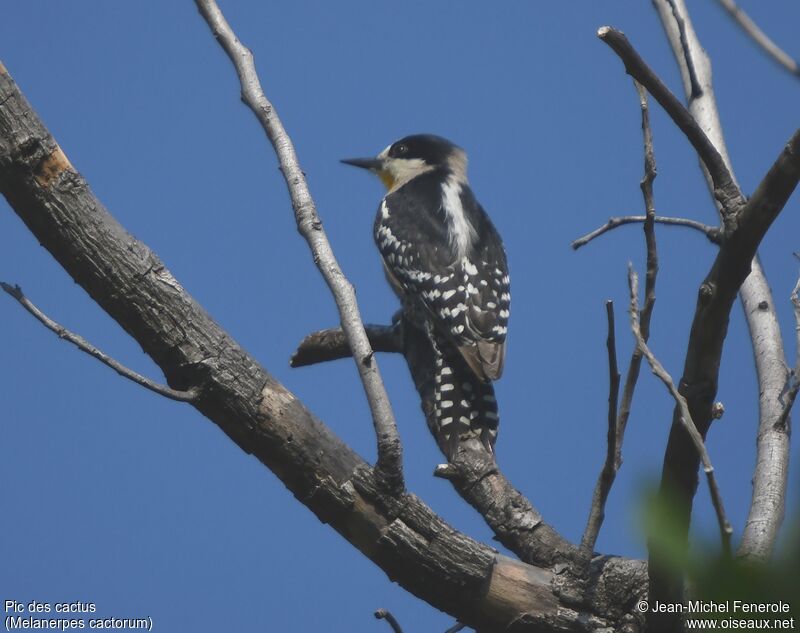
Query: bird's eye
x,y
402,148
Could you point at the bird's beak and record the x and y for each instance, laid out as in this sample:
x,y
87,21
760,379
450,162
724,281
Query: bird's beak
x,y
373,164
376,165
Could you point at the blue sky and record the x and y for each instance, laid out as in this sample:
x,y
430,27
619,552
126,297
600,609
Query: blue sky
x,y
115,496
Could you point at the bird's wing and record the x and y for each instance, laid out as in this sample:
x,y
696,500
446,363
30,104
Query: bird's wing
x,y
467,299
486,297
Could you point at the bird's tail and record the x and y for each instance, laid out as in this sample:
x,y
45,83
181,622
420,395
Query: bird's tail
x,y
464,406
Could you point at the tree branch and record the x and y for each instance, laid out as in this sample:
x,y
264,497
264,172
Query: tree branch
x,y
772,444
383,614
713,233
331,344
646,185
700,378
685,416
775,52
792,389
608,473
402,536
725,189
618,421
82,344
389,464
474,473
731,268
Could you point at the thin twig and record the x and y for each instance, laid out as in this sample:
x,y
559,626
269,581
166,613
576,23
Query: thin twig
x,y
618,421
383,614
84,345
331,344
760,38
685,417
389,463
713,233
455,628
646,185
725,189
606,478
791,393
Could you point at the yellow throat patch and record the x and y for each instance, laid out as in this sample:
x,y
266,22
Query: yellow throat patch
x,y
386,178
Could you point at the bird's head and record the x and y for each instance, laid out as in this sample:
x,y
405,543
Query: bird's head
x,y
413,156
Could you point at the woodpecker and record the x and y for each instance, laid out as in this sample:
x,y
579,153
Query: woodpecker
x,y
445,260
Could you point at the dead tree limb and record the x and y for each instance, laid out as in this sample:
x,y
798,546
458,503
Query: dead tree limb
x,y
772,442
390,458
331,344
686,420
605,479
383,614
725,189
793,387
474,473
713,233
646,185
745,225
618,423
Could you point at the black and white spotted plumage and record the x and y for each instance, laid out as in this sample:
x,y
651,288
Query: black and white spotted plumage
x,y
446,262
463,406
463,286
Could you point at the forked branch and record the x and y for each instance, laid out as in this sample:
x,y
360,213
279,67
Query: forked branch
x,y
725,189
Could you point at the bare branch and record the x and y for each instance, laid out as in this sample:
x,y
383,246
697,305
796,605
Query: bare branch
x,y
383,614
617,422
791,393
646,185
389,465
473,472
771,473
331,344
455,628
685,416
607,474
760,38
725,189
713,233
84,345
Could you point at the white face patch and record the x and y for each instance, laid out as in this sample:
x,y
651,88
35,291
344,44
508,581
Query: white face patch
x,y
403,170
